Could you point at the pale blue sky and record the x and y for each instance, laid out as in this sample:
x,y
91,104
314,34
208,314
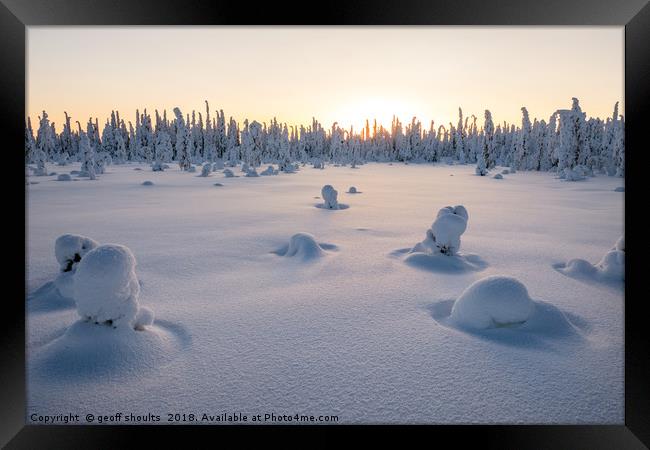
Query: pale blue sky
x,y
342,74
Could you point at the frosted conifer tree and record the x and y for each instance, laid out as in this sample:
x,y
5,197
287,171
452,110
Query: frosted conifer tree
x,y
183,141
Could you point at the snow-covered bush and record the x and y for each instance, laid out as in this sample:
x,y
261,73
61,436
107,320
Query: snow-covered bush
x,y
491,302
69,249
206,169
106,287
444,235
228,173
252,172
269,171
158,166
329,195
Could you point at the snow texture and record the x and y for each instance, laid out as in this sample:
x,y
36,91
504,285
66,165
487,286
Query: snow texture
x,y
358,333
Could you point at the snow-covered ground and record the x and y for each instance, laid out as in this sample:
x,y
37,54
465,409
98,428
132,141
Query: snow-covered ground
x,y
354,330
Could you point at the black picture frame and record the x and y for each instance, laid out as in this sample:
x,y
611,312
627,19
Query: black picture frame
x,y
16,15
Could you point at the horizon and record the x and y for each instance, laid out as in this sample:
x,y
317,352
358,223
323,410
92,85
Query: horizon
x,y
401,72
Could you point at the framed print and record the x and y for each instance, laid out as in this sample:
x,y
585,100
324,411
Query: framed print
x,y
377,215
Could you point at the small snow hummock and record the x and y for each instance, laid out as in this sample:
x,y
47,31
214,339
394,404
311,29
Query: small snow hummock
x,y
498,176
106,288
444,235
158,166
147,183
329,195
302,245
492,302
505,171
64,177
228,173
353,190
218,184
206,169
269,171
610,267
252,172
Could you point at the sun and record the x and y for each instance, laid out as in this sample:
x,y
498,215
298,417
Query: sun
x,y
381,109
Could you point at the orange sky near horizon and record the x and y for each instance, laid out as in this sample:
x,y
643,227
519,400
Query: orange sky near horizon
x,y
336,74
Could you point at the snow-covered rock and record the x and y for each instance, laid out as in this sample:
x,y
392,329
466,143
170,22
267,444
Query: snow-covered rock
x,y
491,302
64,177
106,288
498,176
69,249
147,183
329,194
353,190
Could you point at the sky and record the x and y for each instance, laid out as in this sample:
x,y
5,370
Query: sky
x,y
336,74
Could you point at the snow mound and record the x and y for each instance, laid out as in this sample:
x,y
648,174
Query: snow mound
x,y
228,173
569,174
106,288
86,351
611,268
69,249
620,189
143,319
498,176
218,184
329,195
64,284
251,172
491,302
353,190
303,246
64,177
135,168
192,169
147,183
505,171
269,171
206,169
